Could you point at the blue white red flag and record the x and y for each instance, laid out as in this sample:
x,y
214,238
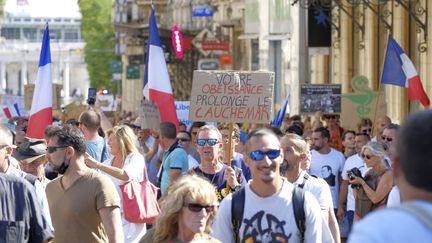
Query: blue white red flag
x,y
157,85
41,108
277,122
399,70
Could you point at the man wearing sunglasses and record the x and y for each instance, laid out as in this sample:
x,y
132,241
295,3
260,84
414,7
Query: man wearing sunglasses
x,y
212,167
184,139
86,200
268,214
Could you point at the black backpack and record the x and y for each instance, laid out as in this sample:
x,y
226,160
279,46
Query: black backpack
x,y
237,207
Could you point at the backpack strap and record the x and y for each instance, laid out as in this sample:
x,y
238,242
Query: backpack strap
x,y
299,214
237,208
103,150
305,178
420,213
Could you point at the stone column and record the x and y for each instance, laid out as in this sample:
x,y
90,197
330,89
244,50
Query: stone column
x,y
66,80
346,49
3,77
23,76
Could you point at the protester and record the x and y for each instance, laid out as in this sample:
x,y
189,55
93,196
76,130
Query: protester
x,y
372,190
365,126
346,203
84,204
30,154
151,150
174,160
348,142
237,158
326,163
268,214
212,166
185,140
336,132
89,123
125,164
21,218
388,138
295,151
186,213
194,132
380,124
412,165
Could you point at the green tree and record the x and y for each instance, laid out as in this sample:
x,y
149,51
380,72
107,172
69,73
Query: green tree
x,y
98,33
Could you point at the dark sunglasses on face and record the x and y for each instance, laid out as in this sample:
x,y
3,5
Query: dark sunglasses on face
x,y
259,155
389,139
52,149
367,130
202,141
366,156
196,207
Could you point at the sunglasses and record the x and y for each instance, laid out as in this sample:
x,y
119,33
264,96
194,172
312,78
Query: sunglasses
x,y
366,156
196,208
366,130
330,117
389,139
259,155
52,149
210,141
184,139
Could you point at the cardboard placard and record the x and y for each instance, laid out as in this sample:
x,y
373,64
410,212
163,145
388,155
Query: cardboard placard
x,y
106,102
56,97
320,97
149,115
231,96
74,110
361,104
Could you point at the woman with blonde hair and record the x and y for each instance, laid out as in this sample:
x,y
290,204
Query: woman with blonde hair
x,y
126,164
187,212
371,190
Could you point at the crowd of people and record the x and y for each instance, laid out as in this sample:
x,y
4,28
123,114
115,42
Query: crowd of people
x,y
306,181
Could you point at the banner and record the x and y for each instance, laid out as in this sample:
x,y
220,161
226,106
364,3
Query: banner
x,y
149,115
317,97
230,96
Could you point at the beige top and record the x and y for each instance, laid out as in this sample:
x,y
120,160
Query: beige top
x,y
75,211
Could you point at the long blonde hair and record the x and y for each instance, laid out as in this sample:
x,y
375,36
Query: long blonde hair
x,y
126,138
188,188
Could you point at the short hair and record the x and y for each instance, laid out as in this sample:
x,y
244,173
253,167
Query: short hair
x,y
168,130
126,138
196,125
392,126
68,135
189,188
259,133
225,126
414,151
295,129
90,119
277,131
299,144
346,133
187,133
6,135
364,122
211,128
362,134
324,132
328,167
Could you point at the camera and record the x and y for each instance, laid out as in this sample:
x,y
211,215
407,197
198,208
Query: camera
x,y
354,172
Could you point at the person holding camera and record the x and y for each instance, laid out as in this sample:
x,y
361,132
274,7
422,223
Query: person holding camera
x,y
371,191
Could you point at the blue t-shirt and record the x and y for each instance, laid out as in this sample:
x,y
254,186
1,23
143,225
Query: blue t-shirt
x,y
176,159
238,162
96,147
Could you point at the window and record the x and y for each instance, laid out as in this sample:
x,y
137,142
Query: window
x,y
30,34
71,35
10,33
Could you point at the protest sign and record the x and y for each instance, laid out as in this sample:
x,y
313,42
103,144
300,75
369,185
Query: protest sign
x,y
231,96
361,104
149,115
106,102
74,110
182,109
317,97
56,97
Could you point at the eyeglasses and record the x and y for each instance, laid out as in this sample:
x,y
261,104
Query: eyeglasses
x,y
366,156
259,155
389,139
183,139
52,149
196,208
210,141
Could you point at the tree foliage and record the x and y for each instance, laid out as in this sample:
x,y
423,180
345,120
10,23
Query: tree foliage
x,y
98,32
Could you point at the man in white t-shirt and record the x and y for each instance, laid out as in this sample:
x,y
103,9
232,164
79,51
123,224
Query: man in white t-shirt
x,y
295,151
326,163
266,196
412,163
346,204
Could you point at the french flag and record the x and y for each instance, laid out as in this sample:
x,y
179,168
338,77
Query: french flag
x,y
41,109
157,85
399,70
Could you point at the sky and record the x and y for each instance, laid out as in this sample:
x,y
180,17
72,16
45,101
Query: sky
x,y
43,8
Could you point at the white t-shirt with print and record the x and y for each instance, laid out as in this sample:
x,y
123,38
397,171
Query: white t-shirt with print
x,y
319,188
328,166
350,163
266,219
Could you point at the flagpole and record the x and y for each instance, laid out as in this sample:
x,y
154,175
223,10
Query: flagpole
x,y
379,89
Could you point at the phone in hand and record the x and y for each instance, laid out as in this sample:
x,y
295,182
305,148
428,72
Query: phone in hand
x,y
91,100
